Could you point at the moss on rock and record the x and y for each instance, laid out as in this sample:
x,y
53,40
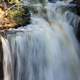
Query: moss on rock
x,y
14,16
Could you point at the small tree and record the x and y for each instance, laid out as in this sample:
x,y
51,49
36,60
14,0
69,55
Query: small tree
x,y
14,14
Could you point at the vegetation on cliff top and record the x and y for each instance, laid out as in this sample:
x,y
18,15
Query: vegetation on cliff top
x,y
12,14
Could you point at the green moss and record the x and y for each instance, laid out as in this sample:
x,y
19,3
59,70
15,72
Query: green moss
x,y
15,12
21,15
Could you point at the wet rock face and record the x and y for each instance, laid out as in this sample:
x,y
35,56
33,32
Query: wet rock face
x,y
76,10
1,61
78,13
78,32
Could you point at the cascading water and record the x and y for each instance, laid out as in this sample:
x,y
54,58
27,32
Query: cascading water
x,y
44,50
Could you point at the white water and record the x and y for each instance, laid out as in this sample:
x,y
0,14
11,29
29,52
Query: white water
x,y
44,50
61,0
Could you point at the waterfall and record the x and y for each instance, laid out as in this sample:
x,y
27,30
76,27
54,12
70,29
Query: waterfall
x,y
7,62
46,49
60,0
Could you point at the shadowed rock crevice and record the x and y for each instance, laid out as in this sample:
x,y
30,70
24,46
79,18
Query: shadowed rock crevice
x,y
1,61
